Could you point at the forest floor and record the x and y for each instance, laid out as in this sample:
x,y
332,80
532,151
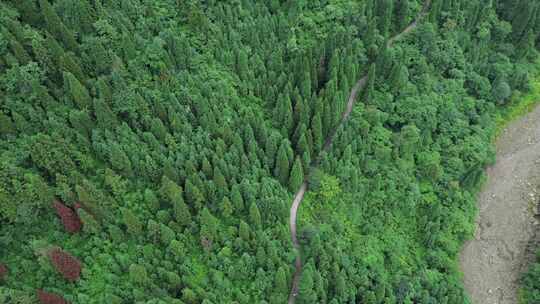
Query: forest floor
x,y
494,259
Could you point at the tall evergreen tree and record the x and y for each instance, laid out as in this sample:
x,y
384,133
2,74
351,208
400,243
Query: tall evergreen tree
x,y
282,165
306,292
255,215
385,11
56,27
370,87
316,130
297,176
77,91
402,15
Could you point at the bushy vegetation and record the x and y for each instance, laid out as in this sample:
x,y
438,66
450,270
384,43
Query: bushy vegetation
x,y
149,150
530,291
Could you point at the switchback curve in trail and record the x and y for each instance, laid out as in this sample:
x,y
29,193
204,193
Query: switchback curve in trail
x,y
299,196
493,261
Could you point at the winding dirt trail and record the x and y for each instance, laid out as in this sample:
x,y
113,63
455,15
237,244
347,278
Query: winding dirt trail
x,y
493,261
299,196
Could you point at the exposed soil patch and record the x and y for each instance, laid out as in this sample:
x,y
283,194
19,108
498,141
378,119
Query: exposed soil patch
x,y
493,261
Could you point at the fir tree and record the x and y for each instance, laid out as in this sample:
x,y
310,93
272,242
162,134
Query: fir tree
x,y
226,207
220,181
237,199
370,87
56,27
284,114
255,216
306,292
181,211
281,281
282,164
297,176
194,196
244,231
316,130
77,91
386,8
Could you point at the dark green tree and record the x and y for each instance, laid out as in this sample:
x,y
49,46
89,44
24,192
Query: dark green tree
x,y
297,176
282,164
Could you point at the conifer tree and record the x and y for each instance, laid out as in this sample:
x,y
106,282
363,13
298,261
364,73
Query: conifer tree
x,y
328,118
402,15
370,87
181,211
305,88
282,165
166,234
284,114
317,133
207,168
170,191
208,225
120,161
68,62
56,27
194,195
300,130
281,281
303,146
151,200
297,176
77,91
271,147
386,8
255,215
226,207
29,12
90,224
16,47
306,293
82,122
237,199
220,181
244,231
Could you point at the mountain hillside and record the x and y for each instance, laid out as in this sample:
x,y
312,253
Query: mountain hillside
x,y
150,150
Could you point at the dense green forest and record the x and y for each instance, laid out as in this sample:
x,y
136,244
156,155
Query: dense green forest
x,y
150,149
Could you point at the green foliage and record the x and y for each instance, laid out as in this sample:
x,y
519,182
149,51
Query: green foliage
x,y
530,288
282,164
138,274
180,129
132,222
297,176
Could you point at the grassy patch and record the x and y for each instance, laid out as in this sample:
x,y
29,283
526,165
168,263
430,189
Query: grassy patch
x,y
521,103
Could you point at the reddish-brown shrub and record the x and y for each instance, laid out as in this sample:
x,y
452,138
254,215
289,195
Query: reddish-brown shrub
x,y
67,265
50,298
70,219
3,271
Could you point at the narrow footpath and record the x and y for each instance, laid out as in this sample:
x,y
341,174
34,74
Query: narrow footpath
x,y
299,196
493,261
